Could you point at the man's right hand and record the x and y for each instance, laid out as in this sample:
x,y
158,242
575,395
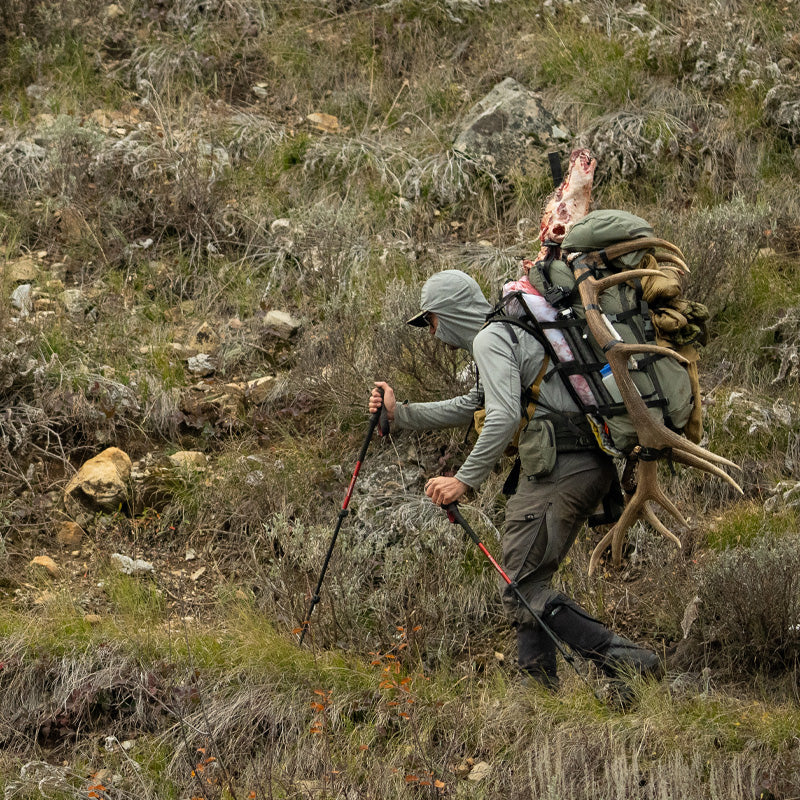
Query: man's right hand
x,y
387,400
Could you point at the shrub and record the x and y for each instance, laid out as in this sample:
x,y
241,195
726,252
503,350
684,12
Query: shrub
x,y
721,244
750,606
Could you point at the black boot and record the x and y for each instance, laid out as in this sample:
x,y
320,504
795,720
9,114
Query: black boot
x,y
536,655
614,654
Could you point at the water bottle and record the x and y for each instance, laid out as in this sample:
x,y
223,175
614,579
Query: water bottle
x,y
607,376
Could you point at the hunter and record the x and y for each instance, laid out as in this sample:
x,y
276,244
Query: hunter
x,y
549,504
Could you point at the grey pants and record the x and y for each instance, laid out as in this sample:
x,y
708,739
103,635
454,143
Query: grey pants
x,y
542,520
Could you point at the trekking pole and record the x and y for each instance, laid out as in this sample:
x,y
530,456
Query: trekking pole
x,y
454,515
378,417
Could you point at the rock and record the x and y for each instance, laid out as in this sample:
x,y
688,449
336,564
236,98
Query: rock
x,y
131,566
258,390
201,365
69,535
74,301
206,340
183,351
189,459
45,563
22,298
281,324
36,91
235,390
510,130
101,484
479,771
20,270
43,304
113,11
326,123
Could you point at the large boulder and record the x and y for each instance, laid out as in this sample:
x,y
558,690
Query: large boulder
x,y
101,484
510,130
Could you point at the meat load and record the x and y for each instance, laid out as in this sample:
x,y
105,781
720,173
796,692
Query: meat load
x,y
569,202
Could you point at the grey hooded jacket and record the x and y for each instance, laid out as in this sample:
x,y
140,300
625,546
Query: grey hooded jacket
x,y
508,361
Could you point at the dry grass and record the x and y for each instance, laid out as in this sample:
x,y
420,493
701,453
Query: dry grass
x,y
208,201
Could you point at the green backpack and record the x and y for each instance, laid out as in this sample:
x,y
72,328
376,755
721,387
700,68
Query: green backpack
x,y
648,310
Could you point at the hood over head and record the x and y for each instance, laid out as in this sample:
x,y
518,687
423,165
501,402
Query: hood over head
x,y
459,305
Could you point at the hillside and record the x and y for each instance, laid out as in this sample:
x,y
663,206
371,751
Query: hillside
x,y
215,216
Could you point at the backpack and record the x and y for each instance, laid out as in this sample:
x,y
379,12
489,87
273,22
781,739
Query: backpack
x,y
648,310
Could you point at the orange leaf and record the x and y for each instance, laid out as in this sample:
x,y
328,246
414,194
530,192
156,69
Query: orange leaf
x,y
363,747
411,778
439,784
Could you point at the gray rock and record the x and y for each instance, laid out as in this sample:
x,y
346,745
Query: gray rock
x,y
131,566
22,298
201,365
74,301
281,324
510,130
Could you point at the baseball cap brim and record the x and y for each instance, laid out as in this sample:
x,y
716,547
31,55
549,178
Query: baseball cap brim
x,y
418,320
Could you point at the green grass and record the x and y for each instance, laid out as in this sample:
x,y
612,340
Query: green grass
x,y
371,212
743,524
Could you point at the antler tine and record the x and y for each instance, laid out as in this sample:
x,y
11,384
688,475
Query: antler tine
x,y
643,243
602,284
653,436
650,432
638,507
671,259
691,460
602,546
646,492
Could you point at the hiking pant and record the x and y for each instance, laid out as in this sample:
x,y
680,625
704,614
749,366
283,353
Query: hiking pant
x,y
542,520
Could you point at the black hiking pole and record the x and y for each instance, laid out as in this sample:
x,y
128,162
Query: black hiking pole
x,y
378,416
454,515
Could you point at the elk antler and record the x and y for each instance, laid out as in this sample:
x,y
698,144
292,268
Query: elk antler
x,y
655,439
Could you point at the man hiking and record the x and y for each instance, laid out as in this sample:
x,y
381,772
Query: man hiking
x,y
564,475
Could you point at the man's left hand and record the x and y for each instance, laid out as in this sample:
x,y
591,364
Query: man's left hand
x,y
444,491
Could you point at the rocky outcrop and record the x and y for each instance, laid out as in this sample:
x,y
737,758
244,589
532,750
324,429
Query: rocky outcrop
x,y
510,130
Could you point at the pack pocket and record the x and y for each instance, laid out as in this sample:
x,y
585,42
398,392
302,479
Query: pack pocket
x,y
537,448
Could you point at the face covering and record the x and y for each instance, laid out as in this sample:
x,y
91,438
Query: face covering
x,y
459,305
